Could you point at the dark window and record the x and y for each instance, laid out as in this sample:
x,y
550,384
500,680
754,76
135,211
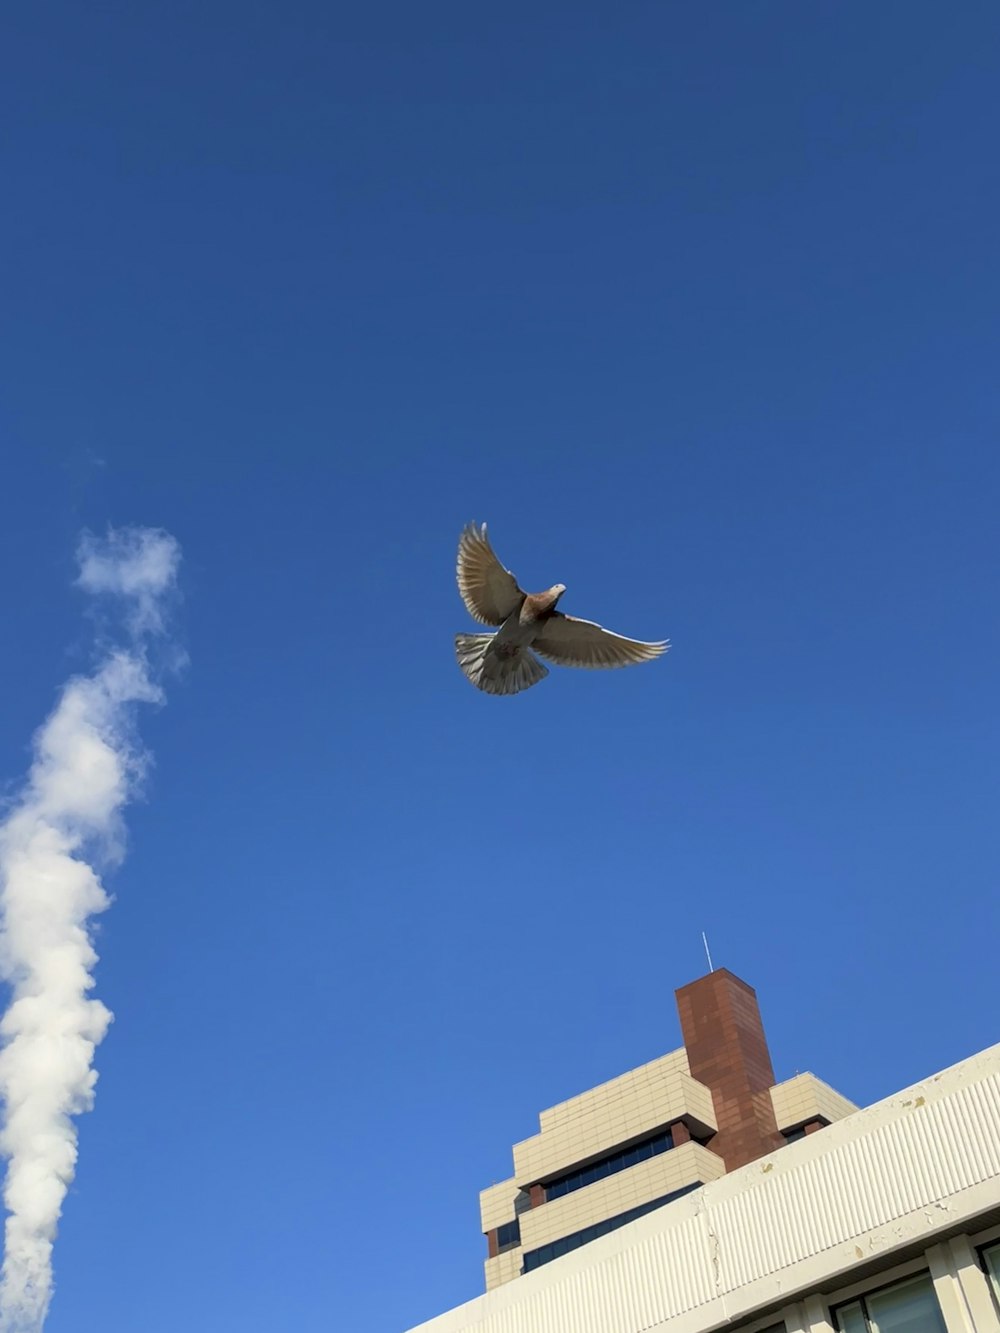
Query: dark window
x,y
546,1253
991,1261
800,1131
609,1166
904,1307
508,1236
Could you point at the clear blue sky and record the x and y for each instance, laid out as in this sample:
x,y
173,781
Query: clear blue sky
x,y
697,305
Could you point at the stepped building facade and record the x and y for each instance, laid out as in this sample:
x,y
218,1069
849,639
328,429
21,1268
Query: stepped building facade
x,y
640,1141
696,1194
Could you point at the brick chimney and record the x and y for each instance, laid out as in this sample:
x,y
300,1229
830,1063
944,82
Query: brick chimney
x,y
727,1051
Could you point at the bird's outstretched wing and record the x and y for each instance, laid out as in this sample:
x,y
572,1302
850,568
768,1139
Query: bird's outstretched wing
x,y
580,643
489,591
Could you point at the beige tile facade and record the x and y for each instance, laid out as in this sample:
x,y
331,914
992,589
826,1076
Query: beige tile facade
x,y
504,1268
586,1128
630,1107
804,1099
496,1204
620,1193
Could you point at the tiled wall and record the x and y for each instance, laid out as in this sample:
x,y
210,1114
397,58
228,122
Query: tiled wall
x,y
619,1193
637,1103
496,1204
805,1098
504,1268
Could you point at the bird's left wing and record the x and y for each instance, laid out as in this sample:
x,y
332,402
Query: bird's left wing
x,y
580,643
489,591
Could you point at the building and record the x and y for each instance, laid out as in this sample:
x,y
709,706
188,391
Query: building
x,y
634,1144
695,1193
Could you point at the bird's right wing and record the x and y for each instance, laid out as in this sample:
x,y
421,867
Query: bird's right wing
x,y
489,591
580,643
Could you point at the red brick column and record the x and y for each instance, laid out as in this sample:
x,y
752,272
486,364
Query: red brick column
x,y
680,1133
727,1051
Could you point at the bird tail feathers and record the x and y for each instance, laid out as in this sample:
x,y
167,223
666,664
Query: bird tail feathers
x,y
493,673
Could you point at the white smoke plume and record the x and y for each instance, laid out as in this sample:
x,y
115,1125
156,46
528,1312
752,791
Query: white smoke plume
x,y
65,823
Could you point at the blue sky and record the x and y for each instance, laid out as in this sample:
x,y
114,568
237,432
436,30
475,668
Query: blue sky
x,y
697,306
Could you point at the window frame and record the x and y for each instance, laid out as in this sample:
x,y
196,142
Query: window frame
x,y
515,1228
860,1298
990,1264
560,1245
571,1181
875,1282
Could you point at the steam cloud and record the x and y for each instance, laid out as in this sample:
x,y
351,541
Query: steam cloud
x,y
66,822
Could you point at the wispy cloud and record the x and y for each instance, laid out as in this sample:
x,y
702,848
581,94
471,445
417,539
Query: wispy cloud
x,y
66,822
138,564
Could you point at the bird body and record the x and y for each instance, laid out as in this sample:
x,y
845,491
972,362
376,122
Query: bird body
x,y
505,662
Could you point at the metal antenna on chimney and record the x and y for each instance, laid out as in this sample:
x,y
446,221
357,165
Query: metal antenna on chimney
x,y
704,940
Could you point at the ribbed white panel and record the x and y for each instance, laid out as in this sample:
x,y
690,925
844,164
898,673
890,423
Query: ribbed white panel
x,y
777,1227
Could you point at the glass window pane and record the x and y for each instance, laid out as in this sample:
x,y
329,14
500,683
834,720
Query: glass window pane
x,y
908,1307
850,1318
992,1257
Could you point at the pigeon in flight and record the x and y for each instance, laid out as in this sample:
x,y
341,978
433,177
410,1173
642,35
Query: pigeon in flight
x,y
504,663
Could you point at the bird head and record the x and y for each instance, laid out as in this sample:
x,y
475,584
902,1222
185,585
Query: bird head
x,y
556,591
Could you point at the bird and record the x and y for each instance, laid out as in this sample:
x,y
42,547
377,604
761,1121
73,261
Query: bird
x,y
505,662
